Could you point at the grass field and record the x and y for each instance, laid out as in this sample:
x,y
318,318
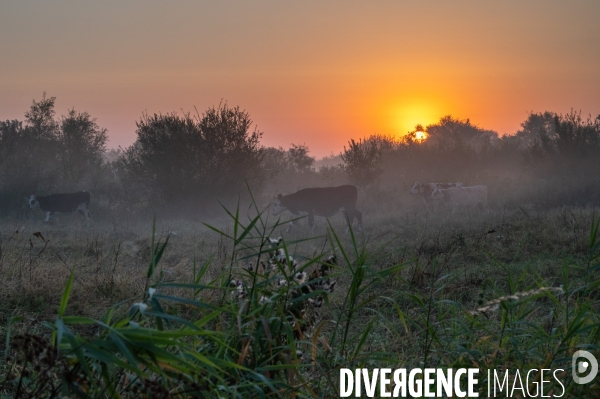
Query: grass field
x,y
515,289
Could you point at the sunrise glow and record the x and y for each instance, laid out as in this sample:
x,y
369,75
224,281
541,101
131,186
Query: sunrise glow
x,y
276,150
406,116
420,136
320,74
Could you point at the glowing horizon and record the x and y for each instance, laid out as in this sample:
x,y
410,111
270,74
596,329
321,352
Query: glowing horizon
x,y
314,73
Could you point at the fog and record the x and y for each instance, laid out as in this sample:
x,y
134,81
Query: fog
x,y
186,165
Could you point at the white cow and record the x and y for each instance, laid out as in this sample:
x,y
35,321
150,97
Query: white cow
x,y
473,196
426,190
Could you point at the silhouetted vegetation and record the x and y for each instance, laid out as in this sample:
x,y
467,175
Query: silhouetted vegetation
x,y
362,160
552,161
45,154
181,163
185,160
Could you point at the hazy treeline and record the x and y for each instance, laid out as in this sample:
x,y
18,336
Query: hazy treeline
x,y
183,163
551,161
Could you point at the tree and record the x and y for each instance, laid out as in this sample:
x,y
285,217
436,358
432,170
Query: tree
x,y
232,152
299,158
82,144
536,124
274,161
362,161
164,163
453,134
10,132
575,137
32,165
40,119
185,160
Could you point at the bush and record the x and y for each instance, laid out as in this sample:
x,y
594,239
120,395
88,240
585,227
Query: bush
x,y
362,160
82,144
186,161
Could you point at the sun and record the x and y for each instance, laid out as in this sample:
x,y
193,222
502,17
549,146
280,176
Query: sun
x,y
409,114
420,136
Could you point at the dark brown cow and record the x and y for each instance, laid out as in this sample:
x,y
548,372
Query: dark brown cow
x,y
321,201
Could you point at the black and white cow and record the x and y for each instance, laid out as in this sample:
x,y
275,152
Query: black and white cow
x,y
321,201
62,203
426,190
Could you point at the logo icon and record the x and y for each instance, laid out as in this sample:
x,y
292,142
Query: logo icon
x,y
584,362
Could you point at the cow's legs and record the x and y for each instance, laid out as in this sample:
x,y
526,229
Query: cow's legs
x,y
350,215
290,226
483,207
84,211
311,220
426,203
48,214
349,218
358,215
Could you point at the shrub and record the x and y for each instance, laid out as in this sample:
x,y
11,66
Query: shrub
x,y
182,160
361,161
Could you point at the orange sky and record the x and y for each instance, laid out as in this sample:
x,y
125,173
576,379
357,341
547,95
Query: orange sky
x,y
313,72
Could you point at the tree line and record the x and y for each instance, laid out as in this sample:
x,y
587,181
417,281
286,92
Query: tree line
x,y
552,160
186,162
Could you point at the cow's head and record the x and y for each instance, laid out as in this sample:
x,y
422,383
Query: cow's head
x,y
274,242
33,202
437,194
278,207
416,188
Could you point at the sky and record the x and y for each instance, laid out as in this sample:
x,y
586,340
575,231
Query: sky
x,y
313,72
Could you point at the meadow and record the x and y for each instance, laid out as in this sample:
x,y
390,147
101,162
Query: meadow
x,y
136,308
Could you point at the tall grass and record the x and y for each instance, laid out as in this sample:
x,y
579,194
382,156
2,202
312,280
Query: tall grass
x,y
251,331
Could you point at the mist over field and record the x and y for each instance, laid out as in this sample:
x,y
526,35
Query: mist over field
x,y
179,284
267,199
183,165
